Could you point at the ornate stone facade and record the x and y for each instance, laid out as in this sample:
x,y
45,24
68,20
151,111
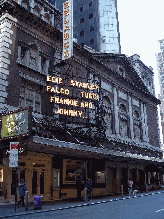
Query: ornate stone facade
x,y
100,110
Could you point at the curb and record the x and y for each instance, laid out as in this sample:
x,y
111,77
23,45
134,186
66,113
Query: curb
x,y
79,205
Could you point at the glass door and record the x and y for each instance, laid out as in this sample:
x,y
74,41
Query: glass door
x,y
41,180
34,182
38,182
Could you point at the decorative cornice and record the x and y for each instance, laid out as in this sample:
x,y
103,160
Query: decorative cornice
x,y
22,14
35,80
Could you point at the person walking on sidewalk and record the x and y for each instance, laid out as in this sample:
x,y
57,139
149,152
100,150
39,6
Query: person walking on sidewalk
x,y
130,182
88,185
22,188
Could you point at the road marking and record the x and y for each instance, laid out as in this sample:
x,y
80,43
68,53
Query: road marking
x,y
159,210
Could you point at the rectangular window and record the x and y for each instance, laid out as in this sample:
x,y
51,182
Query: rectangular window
x,y
91,41
90,15
82,33
30,96
100,176
73,169
81,20
81,9
90,4
92,29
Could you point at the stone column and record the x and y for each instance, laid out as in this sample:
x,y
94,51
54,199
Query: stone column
x,y
108,177
146,126
27,56
116,112
19,53
5,48
118,177
39,68
42,13
52,20
131,117
143,122
47,66
32,6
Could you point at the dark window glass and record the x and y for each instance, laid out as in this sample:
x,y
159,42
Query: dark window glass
x,y
81,20
91,41
90,4
91,28
90,15
82,33
81,8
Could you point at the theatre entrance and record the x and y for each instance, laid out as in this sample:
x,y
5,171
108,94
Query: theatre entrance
x,y
38,179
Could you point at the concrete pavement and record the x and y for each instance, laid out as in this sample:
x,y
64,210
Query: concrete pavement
x,y
7,210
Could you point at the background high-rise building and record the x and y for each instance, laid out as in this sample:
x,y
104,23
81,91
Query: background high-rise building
x,y
160,60
95,24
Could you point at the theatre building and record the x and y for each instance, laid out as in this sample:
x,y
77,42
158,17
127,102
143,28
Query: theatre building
x,y
92,116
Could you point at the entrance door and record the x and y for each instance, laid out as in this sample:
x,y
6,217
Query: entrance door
x,y
38,182
114,181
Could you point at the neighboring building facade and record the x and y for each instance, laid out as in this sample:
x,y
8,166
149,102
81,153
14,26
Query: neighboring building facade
x,y
92,115
96,24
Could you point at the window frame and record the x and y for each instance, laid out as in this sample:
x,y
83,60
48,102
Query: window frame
x,y
81,33
82,20
90,15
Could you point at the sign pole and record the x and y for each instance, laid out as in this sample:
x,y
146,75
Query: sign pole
x,y
13,162
16,189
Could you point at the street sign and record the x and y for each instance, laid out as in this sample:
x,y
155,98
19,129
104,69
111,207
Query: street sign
x,y
13,158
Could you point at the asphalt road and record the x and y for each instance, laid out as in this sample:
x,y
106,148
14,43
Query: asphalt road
x,y
146,207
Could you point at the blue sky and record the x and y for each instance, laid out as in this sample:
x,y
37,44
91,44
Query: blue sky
x,y
141,25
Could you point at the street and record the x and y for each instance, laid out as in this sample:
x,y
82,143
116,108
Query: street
x,y
146,207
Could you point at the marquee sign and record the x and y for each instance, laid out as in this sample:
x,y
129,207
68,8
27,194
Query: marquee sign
x,y
67,30
16,124
87,93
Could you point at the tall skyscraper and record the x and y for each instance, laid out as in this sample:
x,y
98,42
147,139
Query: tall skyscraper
x,y
95,24
160,61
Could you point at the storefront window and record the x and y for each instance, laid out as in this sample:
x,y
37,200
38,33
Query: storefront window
x,y
100,176
74,169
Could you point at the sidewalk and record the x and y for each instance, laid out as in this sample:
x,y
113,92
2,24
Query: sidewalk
x,y
7,210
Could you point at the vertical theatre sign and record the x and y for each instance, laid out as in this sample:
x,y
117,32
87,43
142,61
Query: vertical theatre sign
x,y
67,30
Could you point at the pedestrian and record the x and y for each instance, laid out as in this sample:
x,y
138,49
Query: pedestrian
x,y
22,188
78,187
88,185
130,182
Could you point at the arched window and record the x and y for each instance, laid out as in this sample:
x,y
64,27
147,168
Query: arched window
x,y
37,11
107,108
123,121
136,125
47,17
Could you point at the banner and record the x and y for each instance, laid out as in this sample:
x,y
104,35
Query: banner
x,y
16,124
67,30
13,158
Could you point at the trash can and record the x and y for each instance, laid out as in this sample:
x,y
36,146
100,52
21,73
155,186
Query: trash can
x,y
38,202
